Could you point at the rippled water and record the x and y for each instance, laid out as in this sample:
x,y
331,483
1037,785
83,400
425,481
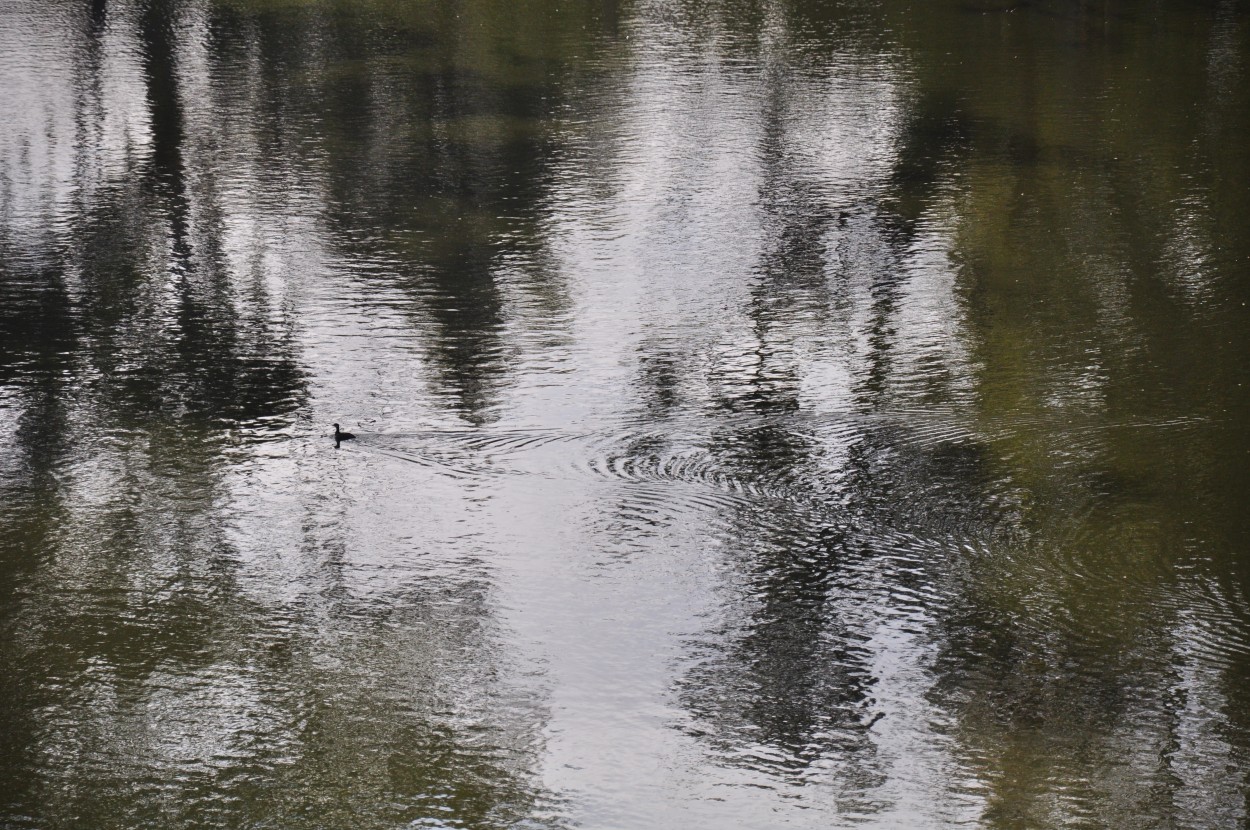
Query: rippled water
x,y
769,414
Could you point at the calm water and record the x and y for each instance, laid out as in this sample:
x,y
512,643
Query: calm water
x,y
770,413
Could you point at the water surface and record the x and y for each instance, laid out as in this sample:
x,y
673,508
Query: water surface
x,y
770,414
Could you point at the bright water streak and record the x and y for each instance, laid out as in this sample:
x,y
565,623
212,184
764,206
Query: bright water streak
x,y
769,414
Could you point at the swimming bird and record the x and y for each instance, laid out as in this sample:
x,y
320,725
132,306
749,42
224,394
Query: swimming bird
x,y
341,436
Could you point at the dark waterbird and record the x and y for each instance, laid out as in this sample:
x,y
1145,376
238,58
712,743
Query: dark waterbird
x,y
341,436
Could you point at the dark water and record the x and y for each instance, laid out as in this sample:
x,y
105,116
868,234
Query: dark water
x,y
770,414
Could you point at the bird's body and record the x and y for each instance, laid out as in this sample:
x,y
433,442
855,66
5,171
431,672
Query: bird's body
x,y
339,435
